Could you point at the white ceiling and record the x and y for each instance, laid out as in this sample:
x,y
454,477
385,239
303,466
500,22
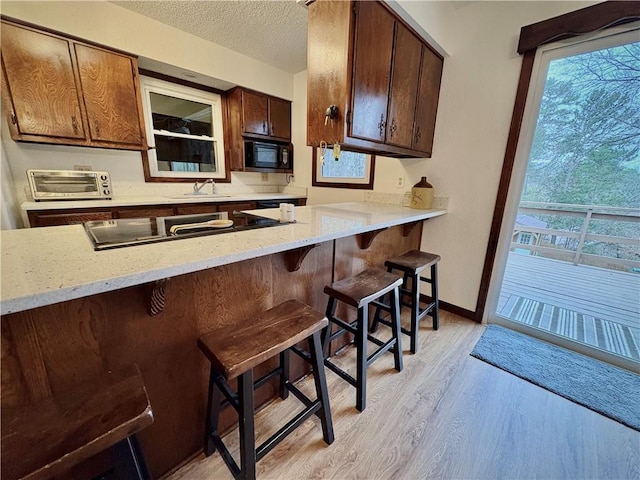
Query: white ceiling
x,y
272,31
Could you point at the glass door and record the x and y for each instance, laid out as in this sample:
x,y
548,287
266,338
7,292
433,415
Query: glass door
x,y
568,266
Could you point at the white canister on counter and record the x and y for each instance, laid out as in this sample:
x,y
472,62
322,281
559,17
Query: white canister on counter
x,y
287,214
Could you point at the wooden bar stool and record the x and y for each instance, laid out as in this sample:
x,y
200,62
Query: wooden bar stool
x,y
360,291
412,264
45,439
234,352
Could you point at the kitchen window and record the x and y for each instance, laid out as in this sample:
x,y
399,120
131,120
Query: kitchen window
x,y
184,131
348,170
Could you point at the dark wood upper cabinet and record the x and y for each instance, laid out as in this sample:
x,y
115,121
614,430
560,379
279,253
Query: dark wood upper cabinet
x,y
38,68
280,119
403,92
383,79
371,71
110,95
254,116
61,91
428,90
255,113
260,115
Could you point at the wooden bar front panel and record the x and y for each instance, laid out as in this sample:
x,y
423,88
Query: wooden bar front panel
x,y
50,349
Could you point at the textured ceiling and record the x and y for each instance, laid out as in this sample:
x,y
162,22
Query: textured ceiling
x,y
274,32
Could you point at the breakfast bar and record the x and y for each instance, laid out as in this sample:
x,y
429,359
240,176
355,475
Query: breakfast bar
x,y
70,313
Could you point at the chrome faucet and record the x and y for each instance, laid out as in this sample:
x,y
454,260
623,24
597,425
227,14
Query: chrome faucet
x,y
197,188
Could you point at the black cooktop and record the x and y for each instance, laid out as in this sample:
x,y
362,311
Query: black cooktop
x,y
126,232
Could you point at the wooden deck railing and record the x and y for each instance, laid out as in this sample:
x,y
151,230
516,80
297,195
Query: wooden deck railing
x,y
573,250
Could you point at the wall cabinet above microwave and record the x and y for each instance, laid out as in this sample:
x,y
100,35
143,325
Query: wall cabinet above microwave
x,y
381,77
62,91
256,117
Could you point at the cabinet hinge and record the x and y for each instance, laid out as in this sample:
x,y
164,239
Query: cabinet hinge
x,y
14,119
348,117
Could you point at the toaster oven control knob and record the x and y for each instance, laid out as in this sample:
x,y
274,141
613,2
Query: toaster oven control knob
x,y
105,184
103,178
106,192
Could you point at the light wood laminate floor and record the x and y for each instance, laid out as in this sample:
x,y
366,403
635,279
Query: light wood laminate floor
x,y
446,415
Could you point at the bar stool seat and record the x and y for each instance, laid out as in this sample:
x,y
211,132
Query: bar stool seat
x,y
412,264
235,351
359,292
45,439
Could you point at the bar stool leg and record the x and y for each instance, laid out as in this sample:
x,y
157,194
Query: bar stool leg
x,y
213,412
361,347
415,310
320,380
247,432
284,375
395,328
434,293
326,332
130,462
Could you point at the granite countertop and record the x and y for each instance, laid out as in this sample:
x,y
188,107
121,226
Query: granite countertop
x,y
42,266
131,200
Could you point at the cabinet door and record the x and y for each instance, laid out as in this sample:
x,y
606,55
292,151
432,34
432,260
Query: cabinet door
x,y
231,206
144,212
255,112
41,84
404,87
110,96
371,71
52,219
195,209
280,118
428,92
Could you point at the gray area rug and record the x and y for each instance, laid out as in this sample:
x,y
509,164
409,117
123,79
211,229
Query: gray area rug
x,y
611,391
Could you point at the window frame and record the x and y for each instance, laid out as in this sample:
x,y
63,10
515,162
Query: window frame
x,y
154,85
317,180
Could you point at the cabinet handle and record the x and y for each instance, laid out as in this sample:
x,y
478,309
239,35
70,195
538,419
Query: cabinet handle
x,y
418,134
273,130
264,127
74,124
97,126
382,125
393,127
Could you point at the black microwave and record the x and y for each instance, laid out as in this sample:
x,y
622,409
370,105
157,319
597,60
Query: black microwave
x,y
260,155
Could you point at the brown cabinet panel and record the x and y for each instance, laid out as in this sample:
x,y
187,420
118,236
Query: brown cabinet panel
x,y
254,116
404,87
110,96
41,83
195,209
428,92
255,113
142,212
280,118
366,61
62,91
373,47
230,207
53,219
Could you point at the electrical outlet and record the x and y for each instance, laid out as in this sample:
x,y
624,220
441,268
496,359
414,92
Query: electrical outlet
x,y
264,177
82,168
400,183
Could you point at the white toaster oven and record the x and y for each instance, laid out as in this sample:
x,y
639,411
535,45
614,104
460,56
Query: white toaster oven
x,y
69,185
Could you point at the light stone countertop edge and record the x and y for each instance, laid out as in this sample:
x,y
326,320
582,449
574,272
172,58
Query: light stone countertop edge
x,y
47,265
